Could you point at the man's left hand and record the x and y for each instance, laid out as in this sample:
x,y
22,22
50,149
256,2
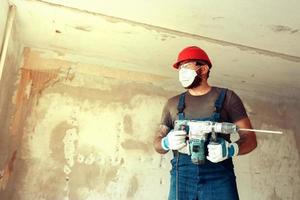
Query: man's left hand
x,y
222,151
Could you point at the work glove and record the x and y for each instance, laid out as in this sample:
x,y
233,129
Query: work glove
x,y
185,149
221,151
175,140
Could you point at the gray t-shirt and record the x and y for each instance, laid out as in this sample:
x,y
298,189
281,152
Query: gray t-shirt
x,y
203,106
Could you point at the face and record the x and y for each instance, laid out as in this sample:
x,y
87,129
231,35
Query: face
x,y
189,75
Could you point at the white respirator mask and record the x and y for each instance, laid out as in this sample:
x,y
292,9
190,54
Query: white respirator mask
x,y
187,76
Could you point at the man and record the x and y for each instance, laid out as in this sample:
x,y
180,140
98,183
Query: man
x,y
215,179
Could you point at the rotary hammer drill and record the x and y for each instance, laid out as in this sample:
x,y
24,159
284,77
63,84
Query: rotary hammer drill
x,y
198,132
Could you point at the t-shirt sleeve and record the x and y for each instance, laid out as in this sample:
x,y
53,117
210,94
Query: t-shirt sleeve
x,y
235,107
166,118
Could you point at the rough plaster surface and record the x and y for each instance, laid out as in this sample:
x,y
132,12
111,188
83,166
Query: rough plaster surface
x,y
52,147
89,136
272,170
86,143
8,143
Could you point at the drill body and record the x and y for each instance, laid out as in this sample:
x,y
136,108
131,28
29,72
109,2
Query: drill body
x,y
198,134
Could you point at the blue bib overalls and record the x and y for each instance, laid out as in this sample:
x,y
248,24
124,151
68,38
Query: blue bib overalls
x,y
210,181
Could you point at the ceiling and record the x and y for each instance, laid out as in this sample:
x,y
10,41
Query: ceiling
x,y
254,45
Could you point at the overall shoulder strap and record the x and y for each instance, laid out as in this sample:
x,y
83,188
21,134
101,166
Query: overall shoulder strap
x,y
220,100
181,106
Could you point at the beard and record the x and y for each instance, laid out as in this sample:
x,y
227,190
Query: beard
x,y
197,81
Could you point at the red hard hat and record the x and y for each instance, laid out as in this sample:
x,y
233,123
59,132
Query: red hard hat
x,y
192,53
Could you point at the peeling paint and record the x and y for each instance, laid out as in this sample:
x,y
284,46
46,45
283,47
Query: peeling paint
x,y
70,140
28,89
80,158
43,61
90,159
31,85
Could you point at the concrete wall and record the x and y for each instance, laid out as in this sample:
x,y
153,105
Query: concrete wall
x,y
87,134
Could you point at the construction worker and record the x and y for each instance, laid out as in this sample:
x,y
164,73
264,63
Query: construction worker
x,y
215,179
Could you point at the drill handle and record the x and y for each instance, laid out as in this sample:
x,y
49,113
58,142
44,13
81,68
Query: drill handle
x,y
213,137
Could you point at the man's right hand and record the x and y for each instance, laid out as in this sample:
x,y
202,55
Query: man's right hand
x,y
175,140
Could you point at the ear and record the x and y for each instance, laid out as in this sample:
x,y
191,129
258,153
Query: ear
x,y
204,69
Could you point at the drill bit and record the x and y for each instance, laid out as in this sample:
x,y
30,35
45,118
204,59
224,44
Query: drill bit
x,y
259,130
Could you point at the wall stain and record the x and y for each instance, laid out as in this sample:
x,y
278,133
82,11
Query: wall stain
x,y
32,83
6,173
274,196
94,177
281,28
54,183
57,135
127,123
133,187
39,80
131,144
